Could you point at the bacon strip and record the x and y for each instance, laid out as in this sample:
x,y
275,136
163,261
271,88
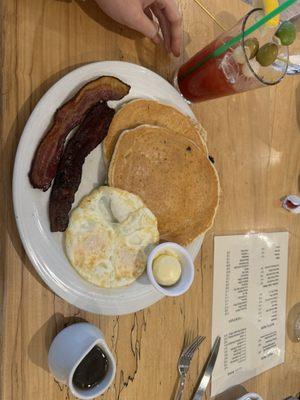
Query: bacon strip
x,y
67,117
89,134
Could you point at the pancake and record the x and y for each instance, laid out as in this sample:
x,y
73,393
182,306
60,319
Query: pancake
x,y
109,237
172,175
150,112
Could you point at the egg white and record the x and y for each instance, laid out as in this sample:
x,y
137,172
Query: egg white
x,y
109,237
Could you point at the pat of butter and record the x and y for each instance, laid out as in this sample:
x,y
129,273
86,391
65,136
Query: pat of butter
x,y
166,269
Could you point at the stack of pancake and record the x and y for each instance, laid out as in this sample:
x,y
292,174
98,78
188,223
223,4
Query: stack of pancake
x,y
157,153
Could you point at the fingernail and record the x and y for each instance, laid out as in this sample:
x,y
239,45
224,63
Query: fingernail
x,y
176,52
156,39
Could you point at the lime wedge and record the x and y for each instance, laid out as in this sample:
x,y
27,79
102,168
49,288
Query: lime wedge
x,y
286,33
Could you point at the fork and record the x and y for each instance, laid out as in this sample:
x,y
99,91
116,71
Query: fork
x,y
184,364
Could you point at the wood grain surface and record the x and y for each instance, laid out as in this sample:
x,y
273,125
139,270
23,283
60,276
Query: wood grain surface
x,y
255,140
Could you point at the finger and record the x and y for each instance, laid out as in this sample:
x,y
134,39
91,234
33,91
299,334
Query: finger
x,y
164,26
148,12
150,15
172,14
143,24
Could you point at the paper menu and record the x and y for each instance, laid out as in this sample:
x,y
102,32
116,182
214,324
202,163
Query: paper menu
x,y
249,300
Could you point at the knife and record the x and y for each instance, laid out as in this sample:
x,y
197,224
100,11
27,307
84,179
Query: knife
x,y
208,370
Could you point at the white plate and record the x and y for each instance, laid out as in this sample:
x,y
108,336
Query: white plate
x,y
44,248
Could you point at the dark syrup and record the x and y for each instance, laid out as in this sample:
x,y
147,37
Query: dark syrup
x,y
92,369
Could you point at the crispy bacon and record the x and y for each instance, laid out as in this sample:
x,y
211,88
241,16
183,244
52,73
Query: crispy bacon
x,y
89,134
67,117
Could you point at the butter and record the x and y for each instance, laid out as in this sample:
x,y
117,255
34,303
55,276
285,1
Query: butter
x,y
166,269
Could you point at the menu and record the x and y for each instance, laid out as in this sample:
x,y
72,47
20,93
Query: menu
x,y
249,296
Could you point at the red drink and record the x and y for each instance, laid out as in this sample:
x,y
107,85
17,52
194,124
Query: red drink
x,y
216,77
210,74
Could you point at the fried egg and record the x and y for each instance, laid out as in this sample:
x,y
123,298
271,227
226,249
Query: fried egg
x,y
109,237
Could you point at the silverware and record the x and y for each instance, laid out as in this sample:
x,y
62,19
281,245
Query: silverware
x,y
208,370
184,363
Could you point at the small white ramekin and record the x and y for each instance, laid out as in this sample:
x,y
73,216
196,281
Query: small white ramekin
x,y
250,396
187,269
69,348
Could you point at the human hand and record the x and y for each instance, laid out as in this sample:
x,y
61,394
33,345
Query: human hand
x,y
139,15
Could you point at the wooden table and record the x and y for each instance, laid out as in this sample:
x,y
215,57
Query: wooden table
x,y
255,140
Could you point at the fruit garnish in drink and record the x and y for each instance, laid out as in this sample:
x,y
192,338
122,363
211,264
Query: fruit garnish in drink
x,y
286,33
253,45
267,54
270,5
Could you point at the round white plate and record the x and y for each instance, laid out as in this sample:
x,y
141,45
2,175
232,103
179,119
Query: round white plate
x,y
45,249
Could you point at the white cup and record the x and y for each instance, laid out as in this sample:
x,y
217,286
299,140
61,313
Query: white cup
x,y
250,396
69,348
187,269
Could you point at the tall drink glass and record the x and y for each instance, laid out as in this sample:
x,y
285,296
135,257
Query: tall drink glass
x,y
205,77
